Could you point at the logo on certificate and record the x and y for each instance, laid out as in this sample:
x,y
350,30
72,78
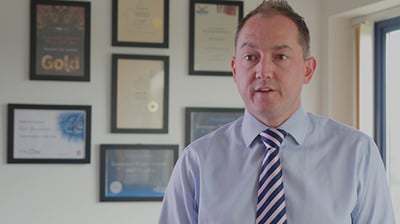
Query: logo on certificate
x,y
116,187
152,106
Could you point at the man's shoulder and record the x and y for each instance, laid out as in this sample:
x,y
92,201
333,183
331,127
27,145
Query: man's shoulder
x,y
319,122
229,129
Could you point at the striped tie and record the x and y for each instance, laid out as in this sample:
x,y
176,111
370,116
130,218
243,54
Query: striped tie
x,y
271,206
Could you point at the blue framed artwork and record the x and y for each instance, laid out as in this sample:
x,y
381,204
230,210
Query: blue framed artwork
x,y
135,172
203,120
49,133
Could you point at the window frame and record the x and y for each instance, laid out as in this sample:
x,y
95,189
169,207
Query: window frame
x,y
381,28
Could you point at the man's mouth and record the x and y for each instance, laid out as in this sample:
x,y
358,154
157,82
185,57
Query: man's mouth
x,y
264,90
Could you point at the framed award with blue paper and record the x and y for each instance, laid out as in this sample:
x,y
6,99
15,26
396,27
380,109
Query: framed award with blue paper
x,y
203,120
135,172
49,133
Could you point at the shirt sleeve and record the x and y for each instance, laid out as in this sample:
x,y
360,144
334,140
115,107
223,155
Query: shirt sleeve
x,y
179,203
374,201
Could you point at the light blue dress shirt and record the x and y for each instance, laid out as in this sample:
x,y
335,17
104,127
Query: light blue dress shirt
x,y
332,174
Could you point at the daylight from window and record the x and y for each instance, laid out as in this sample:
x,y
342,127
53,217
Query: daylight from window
x,y
392,116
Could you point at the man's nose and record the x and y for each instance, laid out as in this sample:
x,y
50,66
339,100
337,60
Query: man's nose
x,y
264,68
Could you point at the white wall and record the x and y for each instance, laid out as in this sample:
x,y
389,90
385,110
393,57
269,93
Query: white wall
x,y
56,193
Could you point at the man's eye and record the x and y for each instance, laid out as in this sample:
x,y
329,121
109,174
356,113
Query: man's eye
x,y
280,57
249,57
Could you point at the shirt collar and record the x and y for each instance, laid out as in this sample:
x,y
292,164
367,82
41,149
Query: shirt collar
x,y
296,126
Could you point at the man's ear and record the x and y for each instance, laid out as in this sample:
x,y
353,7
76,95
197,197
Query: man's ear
x,y
311,65
233,67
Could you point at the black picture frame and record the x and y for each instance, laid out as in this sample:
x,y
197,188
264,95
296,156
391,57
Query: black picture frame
x,y
202,120
212,28
140,93
39,133
138,23
135,172
60,40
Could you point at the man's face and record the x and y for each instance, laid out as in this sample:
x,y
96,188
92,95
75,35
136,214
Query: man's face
x,y
269,68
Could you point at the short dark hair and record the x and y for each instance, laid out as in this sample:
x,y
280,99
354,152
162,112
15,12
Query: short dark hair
x,y
280,7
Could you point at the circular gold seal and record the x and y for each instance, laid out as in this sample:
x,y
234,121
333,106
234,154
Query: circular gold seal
x,y
152,106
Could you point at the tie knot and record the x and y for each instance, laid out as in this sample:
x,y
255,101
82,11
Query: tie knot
x,y
272,137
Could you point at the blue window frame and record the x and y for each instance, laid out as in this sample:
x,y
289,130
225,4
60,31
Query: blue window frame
x,y
381,30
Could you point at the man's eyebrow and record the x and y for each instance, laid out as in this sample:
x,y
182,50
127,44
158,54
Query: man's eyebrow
x,y
254,46
283,46
248,44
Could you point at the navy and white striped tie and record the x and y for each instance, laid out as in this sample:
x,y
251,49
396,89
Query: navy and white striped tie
x,y
271,206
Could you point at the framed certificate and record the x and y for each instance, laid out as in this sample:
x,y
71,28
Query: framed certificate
x,y
211,36
48,133
140,23
135,172
60,40
203,120
139,94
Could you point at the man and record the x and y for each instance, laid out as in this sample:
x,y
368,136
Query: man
x,y
326,172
